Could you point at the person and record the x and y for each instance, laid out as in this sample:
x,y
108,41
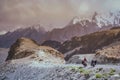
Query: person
x,y
85,59
93,62
84,62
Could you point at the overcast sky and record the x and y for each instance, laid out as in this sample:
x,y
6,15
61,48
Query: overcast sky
x,y
56,13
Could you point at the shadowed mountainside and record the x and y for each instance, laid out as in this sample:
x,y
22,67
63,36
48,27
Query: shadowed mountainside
x,y
35,32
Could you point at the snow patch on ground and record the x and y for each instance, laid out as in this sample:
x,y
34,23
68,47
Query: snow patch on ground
x,y
41,53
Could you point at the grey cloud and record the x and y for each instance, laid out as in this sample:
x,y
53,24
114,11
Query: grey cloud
x,y
55,12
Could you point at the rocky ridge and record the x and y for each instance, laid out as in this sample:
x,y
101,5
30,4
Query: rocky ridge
x,y
90,43
25,47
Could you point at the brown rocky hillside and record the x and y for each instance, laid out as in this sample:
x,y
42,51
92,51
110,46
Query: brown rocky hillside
x,y
25,47
21,48
90,43
109,54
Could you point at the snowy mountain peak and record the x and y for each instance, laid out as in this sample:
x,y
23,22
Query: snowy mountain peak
x,y
82,21
111,18
101,19
3,32
37,27
75,20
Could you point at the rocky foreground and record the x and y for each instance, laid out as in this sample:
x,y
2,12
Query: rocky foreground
x,y
32,70
27,60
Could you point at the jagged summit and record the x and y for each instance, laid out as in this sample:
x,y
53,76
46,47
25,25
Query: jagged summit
x,y
101,19
78,20
75,20
111,18
37,27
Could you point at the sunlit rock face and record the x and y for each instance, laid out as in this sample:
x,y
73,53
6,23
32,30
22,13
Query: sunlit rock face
x,y
109,54
24,48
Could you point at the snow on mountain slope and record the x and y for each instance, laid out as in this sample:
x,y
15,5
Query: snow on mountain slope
x,y
82,26
101,19
72,30
3,32
112,18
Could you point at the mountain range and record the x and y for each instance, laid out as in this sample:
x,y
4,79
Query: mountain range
x,y
76,27
35,32
27,59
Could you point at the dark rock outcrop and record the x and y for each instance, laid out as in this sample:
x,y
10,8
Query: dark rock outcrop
x,y
53,44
